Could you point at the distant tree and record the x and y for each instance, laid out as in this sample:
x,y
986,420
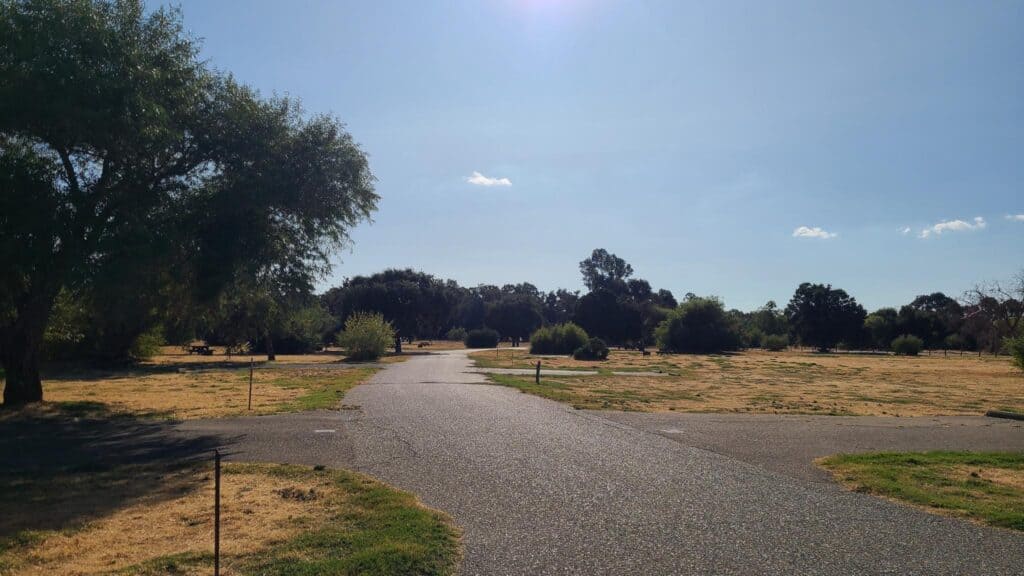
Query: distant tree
x,y
603,270
699,325
665,299
639,290
559,306
931,318
602,314
415,303
881,327
994,311
123,154
769,319
821,316
514,316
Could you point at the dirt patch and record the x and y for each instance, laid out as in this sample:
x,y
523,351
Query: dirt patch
x,y
1003,476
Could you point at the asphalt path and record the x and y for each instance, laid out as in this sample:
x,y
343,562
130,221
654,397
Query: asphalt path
x,y
540,488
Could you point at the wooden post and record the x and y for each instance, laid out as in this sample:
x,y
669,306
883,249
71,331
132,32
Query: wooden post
x,y
216,513
537,376
250,382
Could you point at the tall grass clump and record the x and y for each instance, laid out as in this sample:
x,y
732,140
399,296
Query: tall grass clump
x,y
481,338
366,336
558,339
907,345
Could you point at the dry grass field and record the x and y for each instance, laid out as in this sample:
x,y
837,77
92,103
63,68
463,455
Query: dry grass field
x,y
790,382
273,517
177,385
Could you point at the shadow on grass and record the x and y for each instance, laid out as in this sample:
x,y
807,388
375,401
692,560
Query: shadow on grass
x,y
63,464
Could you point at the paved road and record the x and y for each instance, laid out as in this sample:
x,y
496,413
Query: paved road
x,y
789,444
543,489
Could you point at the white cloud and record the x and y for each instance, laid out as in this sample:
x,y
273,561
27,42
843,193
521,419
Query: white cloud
x,y
905,231
816,232
954,226
478,179
1015,217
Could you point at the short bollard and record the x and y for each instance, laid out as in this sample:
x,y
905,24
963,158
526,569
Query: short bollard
x,y
537,376
216,513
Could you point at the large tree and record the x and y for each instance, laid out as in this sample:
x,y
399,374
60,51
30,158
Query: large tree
x,y
603,270
822,316
415,303
995,311
123,155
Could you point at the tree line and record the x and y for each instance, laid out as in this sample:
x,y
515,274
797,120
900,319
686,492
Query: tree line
x,y
626,311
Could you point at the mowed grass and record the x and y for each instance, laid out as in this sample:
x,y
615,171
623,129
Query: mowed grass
x,y
985,487
276,519
789,382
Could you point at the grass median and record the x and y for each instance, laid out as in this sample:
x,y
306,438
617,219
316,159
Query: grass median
x,y
984,487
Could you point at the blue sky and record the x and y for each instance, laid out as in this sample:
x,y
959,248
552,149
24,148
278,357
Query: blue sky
x,y
694,140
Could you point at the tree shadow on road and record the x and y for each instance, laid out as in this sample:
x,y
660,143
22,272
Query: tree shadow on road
x,y
64,464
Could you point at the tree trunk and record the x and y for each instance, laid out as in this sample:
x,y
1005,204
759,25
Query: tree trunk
x,y
270,348
21,368
20,346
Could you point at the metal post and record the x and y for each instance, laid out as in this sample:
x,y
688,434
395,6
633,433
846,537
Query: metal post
x,y
216,513
537,377
250,382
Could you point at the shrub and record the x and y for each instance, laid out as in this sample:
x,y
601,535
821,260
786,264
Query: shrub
x,y
366,336
753,338
776,342
594,349
457,334
558,339
147,344
699,325
481,338
907,345
1016,349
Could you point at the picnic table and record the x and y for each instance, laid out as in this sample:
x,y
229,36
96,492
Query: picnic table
x,y
201,349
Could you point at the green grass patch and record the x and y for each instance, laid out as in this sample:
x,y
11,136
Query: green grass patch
x,y
551,389
322,392
983,486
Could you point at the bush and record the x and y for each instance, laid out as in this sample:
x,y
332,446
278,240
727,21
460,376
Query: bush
x,y
776,342
753,338
481,338
1016,348
907,345
558,339
457,334
147,344
699,325
594,349
366,336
